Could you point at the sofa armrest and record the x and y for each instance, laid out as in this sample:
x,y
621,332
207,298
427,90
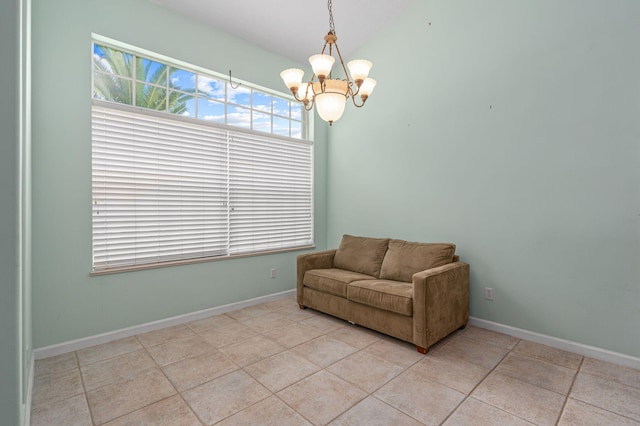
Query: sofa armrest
x,y
308,261
440,302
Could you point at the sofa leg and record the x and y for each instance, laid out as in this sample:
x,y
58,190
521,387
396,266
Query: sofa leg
x,y
421,349
463,326
302,306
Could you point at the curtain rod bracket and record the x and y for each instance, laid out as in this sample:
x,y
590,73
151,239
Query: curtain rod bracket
x,y
231,82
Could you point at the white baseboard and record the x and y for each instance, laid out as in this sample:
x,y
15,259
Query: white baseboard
x,y
554,342
27,414
85,342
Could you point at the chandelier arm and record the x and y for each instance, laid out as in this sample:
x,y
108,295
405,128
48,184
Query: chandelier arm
x,y
325,48
309,105
353,98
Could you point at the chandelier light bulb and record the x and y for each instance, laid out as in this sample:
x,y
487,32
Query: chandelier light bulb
x,y
321,65
367,87
305,92
330,106
331,98
292,77
359,69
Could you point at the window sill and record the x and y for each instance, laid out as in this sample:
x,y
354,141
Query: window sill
x,y
117,270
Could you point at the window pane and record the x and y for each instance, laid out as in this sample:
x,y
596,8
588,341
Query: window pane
x,y
296,111
239,96
261,101
182,103
152,97
182,80
240,117
211,87
210,110
261,122
296,129
151,71
110,88
112,61
280,126
281,107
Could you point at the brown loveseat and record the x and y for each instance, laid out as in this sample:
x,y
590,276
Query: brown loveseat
x,y
416,292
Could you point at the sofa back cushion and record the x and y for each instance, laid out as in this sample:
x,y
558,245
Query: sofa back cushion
x,y
403,259
361,254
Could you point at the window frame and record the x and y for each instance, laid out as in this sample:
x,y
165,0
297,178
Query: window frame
x,y
306,121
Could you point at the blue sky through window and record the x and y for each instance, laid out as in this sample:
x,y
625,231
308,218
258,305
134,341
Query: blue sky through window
x,y
211,87
182,80
210,110
239,96
281,106
262,101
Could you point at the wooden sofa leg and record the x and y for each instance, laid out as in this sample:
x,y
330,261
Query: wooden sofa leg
x,y
421,349
302,306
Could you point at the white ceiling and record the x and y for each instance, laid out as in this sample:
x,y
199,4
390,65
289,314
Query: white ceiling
x,y
293,28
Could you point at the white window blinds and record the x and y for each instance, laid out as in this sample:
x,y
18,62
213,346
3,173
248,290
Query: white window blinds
x,y
270,194
167,189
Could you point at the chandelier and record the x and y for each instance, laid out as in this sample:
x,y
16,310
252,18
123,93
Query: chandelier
x,y
327,93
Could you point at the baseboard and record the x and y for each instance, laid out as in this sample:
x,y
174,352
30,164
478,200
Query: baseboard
x,y
554,342
27,414
74,345
85,342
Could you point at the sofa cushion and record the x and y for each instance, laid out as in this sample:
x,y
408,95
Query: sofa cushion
x,y
332,281
403,259
387,295
361,254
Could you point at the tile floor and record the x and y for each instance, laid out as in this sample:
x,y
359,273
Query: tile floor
x,y
274,364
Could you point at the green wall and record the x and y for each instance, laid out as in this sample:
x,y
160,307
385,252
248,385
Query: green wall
x,y
15,292
511,128
68,303
9,183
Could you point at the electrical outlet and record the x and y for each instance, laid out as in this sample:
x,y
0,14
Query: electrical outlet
x,y
488,293
274,272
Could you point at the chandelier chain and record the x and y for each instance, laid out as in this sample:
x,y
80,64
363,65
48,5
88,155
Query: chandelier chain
x,y
332,28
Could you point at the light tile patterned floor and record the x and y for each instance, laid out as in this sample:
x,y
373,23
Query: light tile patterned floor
x,y
274,364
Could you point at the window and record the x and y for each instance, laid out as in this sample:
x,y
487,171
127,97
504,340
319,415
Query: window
x,y
127,78
186,168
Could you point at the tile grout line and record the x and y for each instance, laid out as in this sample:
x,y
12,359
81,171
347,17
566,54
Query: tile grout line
x,y
592,405
566,399
84,388
178,393
467,396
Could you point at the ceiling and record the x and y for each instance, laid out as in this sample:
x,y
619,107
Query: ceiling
x,y
293,28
